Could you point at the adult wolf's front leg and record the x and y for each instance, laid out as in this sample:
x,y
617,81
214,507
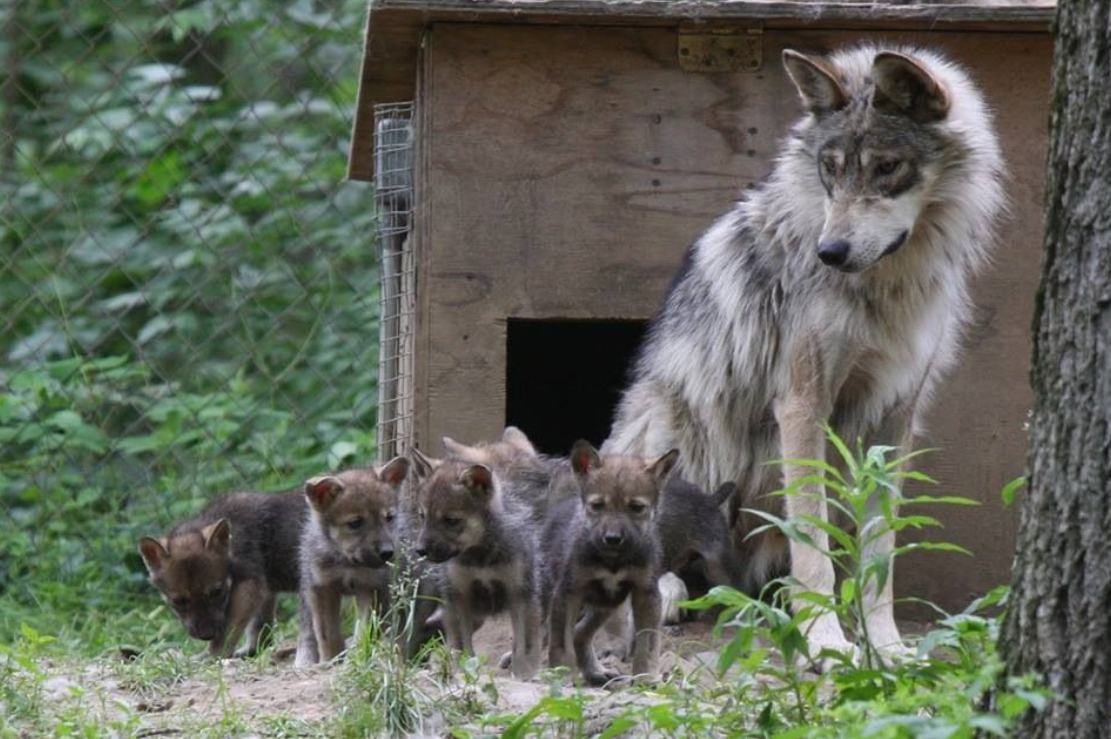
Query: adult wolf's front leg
x,y
800,416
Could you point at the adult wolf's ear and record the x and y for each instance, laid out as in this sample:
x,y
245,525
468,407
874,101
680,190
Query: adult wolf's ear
x,y
818,83
584,458
905,87
423,466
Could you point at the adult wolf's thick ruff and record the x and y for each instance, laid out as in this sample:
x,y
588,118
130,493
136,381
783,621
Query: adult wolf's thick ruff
x,y
836,292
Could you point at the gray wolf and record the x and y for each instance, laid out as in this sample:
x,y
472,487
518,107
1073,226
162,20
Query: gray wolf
x,y
346,547
601,548
222,570
482,541
834,293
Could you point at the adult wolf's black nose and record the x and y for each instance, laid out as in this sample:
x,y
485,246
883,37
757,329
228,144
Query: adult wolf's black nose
x,y
386,553
834,252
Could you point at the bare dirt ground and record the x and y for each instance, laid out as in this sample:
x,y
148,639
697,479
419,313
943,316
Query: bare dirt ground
x,y
270,698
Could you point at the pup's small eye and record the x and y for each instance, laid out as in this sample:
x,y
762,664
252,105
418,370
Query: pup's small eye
x,y
829,166
597,505
636,506
452,522
355,524
390,516
886,166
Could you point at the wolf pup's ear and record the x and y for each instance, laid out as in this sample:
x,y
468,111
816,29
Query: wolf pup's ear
x,y
723,493
423,466
322,491
584,457
478,479
905,87
457,449
662,468
517,439
394,471
818,83
154,554
217,536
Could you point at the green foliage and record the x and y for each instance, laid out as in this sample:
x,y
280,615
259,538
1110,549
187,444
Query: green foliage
x,y
760,687
189,288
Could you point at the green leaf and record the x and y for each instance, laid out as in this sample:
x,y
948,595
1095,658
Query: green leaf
x,y
1011,489
848,592
340,452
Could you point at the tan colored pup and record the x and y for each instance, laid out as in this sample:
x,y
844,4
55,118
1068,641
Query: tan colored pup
x,y
346,547
222,570
601,548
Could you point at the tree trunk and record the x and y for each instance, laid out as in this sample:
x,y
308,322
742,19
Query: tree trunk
x,y
1059,622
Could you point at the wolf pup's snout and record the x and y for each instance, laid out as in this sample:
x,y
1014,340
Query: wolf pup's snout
x,y
833,252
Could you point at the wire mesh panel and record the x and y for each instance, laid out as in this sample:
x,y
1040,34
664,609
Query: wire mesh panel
x,y
393,166
188,286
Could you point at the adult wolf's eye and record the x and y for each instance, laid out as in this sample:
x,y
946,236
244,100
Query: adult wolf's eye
x,y
829,166
637,507
452,522
885,167
597,505
355,524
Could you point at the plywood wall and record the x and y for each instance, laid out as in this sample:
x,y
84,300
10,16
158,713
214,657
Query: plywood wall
x,y
566,169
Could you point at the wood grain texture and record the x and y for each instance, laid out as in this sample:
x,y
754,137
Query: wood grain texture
x,y
568,168
394,29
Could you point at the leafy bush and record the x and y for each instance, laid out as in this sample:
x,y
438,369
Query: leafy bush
x,y
190,290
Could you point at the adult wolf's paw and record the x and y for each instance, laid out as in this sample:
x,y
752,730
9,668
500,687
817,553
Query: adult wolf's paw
x,y
898,653
828,645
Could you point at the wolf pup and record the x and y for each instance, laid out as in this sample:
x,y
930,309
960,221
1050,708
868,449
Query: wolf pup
x,y
600,549
522,471
346,547
835,294
484,542
696,544
222,570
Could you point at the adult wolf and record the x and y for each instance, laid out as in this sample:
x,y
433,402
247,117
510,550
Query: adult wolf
x,y
836,292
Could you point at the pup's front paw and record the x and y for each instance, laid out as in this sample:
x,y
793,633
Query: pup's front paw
x,y
599,677
673,591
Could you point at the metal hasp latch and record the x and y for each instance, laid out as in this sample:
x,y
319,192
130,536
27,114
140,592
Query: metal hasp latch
x,y
704,48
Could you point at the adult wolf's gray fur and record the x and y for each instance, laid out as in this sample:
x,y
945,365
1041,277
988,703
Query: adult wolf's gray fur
x,y
837,292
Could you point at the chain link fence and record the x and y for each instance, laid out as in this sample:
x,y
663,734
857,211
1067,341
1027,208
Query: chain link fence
x,y
189,291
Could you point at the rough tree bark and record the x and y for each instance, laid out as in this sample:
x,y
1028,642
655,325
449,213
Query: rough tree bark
x,y
1059,624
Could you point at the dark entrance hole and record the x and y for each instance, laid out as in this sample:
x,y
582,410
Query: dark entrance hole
x,y
564,377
